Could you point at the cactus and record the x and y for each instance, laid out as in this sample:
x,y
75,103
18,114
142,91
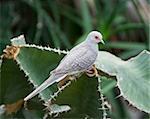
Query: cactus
x,y
34,64
133,76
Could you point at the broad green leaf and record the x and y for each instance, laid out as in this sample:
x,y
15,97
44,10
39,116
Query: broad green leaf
x,y
83,98
13,83
13,87
108,63
31,114
133,77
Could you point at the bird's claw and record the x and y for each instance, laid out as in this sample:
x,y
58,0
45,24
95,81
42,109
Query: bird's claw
x,y
92,72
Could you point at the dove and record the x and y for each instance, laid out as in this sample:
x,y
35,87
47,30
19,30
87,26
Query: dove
x,y
79,59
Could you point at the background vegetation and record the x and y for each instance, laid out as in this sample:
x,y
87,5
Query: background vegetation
x,y
64,23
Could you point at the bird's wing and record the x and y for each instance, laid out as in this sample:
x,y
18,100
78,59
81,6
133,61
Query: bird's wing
x,y
77,60
72,51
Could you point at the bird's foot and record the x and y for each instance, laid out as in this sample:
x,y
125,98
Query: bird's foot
x,y
92,72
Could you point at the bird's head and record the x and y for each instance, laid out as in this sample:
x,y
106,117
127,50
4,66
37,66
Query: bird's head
x,y
95,37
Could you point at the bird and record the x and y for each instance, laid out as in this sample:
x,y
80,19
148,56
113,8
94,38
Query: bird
x,y
79,59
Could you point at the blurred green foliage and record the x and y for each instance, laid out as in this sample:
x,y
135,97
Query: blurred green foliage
x,y
60,23
64,23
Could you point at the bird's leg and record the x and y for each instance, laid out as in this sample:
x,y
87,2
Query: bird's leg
x,y
95,71
92,72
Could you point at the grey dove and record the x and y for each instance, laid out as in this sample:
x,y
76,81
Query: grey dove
x,y
80,59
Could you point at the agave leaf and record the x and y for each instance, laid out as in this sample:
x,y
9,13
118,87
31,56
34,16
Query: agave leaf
x,y
13,83
133,76
83,98
13,87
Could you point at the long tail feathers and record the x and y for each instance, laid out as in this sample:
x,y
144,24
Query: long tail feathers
x,y
51,80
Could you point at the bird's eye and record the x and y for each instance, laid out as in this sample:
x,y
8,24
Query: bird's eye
x,y
96,37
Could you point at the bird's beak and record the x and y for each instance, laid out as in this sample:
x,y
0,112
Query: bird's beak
x,y
102,41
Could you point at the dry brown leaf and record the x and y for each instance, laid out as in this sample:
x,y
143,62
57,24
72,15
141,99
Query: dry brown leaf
x,y
11,52
14,107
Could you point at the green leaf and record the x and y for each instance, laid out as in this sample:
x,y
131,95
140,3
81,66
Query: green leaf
x,y
132,76
31,114
128,26
83,98
13,83
87,18
70,14
53,28
126,45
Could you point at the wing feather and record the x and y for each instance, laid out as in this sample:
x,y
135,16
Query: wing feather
x,y
79,59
